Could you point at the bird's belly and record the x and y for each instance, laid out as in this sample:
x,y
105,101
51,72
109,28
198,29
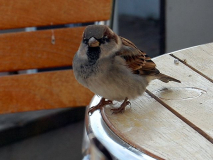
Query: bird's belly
x,y
117,88
113,82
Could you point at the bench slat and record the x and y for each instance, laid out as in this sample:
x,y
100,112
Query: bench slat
x,y
32,13
30,50
47,90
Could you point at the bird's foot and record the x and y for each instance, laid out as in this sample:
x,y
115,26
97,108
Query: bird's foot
x,y
100,105
121,109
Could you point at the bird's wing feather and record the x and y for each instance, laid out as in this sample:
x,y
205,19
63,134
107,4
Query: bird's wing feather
x,y
138,61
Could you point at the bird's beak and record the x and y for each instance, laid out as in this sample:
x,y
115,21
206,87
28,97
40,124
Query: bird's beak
x,y
93,42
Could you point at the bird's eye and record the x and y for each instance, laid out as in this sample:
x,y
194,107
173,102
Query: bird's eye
x,y
85,41
105,39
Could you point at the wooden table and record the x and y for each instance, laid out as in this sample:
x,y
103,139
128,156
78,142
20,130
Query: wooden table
x,y
172,120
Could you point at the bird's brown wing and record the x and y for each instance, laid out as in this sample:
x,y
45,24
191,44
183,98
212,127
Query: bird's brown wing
x,y
138,61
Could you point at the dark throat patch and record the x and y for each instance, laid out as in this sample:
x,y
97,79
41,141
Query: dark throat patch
x,y
93,54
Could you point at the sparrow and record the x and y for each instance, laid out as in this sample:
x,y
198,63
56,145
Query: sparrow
x,y
113,67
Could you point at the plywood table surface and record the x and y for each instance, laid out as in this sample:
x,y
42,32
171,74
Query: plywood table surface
x,y
172,120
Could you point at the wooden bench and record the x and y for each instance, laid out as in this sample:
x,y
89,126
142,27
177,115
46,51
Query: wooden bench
x,y
49,48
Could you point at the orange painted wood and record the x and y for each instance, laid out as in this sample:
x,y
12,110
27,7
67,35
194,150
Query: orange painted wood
x,y
28,50
48,90
29,13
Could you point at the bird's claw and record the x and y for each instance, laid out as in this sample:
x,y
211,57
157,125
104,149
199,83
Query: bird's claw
x,y
100,105
121,109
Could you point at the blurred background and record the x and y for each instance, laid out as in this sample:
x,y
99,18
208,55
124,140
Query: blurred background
x,y
156,27
163,26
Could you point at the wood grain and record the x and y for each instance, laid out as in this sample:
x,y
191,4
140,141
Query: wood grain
x,y
29,50
47,90
32,13
192,98
154,130
199,57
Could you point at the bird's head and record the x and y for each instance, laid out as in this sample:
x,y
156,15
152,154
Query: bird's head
x,y
98,41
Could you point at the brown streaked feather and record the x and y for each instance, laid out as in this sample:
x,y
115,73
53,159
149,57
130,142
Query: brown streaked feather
x,y
137,60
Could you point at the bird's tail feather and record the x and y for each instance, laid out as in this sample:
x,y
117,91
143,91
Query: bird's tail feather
x,y
166,79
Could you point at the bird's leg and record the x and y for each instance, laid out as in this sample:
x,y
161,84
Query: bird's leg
x,y
122,107
101,104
